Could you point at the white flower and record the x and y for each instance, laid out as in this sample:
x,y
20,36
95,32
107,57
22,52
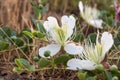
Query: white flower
x,y
90,15
59,36
93,54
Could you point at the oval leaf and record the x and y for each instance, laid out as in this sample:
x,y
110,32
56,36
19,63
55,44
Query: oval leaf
x,y
25,62
3,45
43,62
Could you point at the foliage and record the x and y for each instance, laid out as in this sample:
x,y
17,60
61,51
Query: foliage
x,y
26,43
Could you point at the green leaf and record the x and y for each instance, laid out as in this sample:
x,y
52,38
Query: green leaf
x,y
6,31
3,45
82,76
118,35
28,33
79,37
31,68
116,41
17,41
116,74
92,78
25,62
44,10
110,20
1,38
18,62
38,34
108,75
43,62
37,12
44,1
62,59
17,69
26,38
21,32
92,37
39,26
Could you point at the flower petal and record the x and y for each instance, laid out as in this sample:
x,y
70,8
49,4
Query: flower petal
x,y
80,5
116,6
106,41
87,65
53,48
96,23
71,48
52,22
75,64
69,23
90,15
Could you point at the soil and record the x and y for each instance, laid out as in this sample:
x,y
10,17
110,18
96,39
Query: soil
x,y
6,73
45,75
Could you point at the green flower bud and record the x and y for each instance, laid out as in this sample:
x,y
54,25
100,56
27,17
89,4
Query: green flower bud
x,y
36,58
47,53
114,68
115,78
100,68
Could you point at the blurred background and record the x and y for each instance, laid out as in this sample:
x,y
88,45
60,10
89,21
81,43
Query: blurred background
x,y
17,13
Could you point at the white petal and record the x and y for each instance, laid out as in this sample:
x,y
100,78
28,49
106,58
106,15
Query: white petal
x,y
71,21
64,19
80,5
52,22
74,64
96,23
46,25
87,65
68,22
71,48
106,41
53,48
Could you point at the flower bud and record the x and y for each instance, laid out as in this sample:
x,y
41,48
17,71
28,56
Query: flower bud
x,y
47,53
114,68
106,65
100,68
115,78
117,12
36,58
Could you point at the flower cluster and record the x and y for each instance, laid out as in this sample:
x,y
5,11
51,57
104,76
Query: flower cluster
x,y
92,54
117,9
67,44
60,36
90,15
89,55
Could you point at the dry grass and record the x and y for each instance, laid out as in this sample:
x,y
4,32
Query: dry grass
x,y
12,11
15,13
